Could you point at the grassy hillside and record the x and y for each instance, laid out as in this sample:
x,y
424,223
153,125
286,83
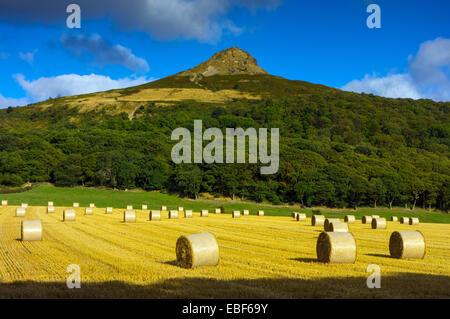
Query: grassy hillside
x,y
337,149
64,197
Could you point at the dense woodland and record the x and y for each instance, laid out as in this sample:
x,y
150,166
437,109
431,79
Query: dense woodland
x,y
337,149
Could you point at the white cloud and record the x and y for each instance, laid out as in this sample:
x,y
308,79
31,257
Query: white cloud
x,y
430,68
203,20
73,84
5,101
427,76
395,86
28,57
104,52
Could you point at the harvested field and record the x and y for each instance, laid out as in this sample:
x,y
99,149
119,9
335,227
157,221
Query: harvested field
x,y
260,257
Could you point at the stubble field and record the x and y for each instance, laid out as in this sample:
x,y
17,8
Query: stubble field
x,y
260,257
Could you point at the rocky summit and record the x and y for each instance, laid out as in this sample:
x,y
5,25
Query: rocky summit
x,y
228,62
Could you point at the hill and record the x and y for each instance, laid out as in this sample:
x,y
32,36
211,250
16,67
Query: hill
x,y
337,148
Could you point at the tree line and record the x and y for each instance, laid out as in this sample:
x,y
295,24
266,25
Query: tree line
x,y
339,150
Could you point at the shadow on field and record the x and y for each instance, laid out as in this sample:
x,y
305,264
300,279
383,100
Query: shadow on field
x,y
171,263
305,260
405,285
380,255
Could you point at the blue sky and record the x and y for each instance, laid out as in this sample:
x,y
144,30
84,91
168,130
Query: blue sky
x,y
123,43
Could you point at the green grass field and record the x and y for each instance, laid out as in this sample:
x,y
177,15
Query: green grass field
x,y
39,196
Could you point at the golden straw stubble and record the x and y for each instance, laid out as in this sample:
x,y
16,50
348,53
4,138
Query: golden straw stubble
x,y
407,244
31,230
339,248
197,250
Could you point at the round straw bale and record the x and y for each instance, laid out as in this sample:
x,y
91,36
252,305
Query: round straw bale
x,y
245,212
301,217
218,211
394,219
294,215
50,209
92,205
4,203
197,250
326,224
375,216
414,221
318,220
129,207
69,215
89,211
24,205
188,214
349,219
404,220
334,247
31,230
338,227
155,215
50,204
109,210
407,244
173,214
21,212
260,213
164,208
204,213
379,223
236,214
180,209
144,207
129,216
76,205
366,219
